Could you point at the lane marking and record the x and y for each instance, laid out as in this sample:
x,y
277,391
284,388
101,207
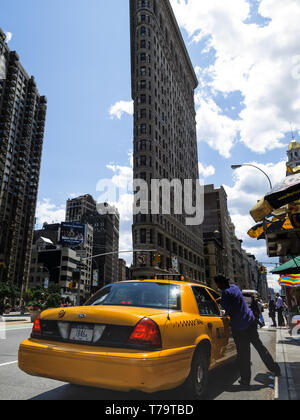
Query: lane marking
x,y
9,363
13,328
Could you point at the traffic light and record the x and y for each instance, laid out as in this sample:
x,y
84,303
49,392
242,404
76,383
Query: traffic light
x,y
72,285
156,259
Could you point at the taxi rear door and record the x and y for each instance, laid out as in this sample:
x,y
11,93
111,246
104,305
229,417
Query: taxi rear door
x,y
216,325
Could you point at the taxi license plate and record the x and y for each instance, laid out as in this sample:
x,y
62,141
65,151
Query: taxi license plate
x,y
82,333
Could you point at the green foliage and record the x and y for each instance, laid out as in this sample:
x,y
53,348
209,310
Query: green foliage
x,y
42,299
10,292
38,297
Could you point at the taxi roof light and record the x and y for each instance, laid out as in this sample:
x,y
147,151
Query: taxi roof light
x,y
146,332
173,277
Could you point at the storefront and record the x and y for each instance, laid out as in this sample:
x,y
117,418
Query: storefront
x,y
293,299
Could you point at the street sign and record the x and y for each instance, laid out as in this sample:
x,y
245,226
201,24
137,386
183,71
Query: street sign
x,y
46,283
141,259
95,278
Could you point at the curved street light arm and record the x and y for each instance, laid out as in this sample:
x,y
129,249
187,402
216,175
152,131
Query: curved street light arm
x,y
253,166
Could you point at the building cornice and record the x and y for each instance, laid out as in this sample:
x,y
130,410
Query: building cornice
x,y
177,32
181,41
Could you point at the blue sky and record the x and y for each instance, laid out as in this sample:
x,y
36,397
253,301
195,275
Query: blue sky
x,y
79,53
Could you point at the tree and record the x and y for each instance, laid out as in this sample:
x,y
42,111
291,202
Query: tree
x,y
8,291
43,299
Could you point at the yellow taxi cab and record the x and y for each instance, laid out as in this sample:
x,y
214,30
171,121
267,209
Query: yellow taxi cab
x,y
146,335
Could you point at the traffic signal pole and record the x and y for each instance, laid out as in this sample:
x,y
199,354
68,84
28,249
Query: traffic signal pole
x,y
119,252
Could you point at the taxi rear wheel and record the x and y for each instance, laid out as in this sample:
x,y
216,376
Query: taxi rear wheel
x,y
197,382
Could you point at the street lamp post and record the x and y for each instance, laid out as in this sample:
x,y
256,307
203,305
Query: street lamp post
x,y
234,167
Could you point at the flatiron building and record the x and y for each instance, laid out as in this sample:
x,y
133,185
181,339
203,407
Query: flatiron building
x,y
165,140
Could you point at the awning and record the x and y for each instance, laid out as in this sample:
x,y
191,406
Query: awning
x,y
287,191
259,231
290,267
290,280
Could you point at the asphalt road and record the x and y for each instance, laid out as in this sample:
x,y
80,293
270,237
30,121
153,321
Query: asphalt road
x,y
16,385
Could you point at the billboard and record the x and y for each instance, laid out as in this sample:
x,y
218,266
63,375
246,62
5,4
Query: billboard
x,y
175,267
95,278
72,235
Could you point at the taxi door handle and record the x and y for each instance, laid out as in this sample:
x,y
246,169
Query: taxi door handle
x,y
210,325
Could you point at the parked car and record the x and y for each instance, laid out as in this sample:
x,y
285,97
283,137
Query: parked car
x,y
249,294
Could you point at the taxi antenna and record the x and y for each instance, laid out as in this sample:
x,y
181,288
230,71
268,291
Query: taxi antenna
x,y
169,288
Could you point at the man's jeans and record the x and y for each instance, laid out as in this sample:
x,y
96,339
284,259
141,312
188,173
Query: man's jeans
x,y
243,339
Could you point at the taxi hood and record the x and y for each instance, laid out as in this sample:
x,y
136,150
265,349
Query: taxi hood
x,y
113,315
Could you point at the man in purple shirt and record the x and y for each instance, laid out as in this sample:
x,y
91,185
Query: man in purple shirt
x,y
244,330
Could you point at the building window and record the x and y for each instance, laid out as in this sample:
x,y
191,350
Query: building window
x,y
143,113
143,236
143,129
143,161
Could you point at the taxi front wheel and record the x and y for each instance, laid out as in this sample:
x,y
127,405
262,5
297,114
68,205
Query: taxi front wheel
x,y
197,383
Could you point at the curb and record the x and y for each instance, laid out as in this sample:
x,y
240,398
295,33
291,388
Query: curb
x,y
284,386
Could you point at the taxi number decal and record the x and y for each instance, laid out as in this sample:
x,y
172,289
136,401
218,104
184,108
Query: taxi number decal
x,y
188,323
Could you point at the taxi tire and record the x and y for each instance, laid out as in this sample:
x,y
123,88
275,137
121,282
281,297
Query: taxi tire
x,y
196,385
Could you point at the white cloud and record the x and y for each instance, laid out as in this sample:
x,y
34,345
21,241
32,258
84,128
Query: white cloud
x,y
214,128
257,61
206,171
273,281
9,36
250,185
119,108
49,212
121,183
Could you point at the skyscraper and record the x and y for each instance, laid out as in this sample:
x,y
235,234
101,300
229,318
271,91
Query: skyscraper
x,y
217,222
22,122
165,143
105,221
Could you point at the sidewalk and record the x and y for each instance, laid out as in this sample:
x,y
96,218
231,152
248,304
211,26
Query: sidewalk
x,y
15,317
288,357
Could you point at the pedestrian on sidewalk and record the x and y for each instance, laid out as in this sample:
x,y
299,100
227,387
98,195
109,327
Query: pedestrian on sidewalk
x,y
286,313
262,310
280,308
272,311
244,329
256,310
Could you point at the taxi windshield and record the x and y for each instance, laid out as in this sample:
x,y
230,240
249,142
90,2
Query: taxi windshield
x,y
140,294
